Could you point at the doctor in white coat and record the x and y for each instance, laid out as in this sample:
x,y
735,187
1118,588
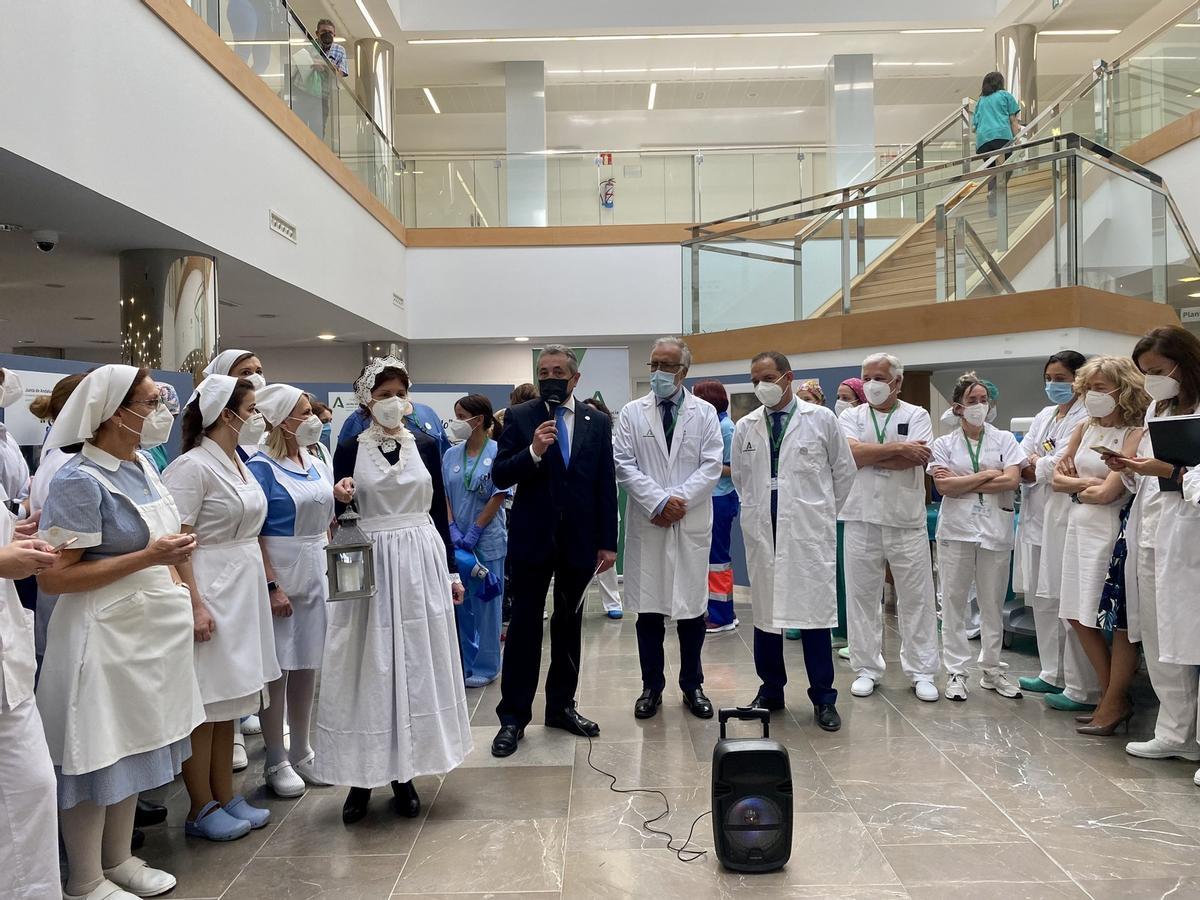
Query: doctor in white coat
x,y
667,448
793,470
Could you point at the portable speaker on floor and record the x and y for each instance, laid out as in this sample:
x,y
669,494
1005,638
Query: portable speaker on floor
x,y
751,798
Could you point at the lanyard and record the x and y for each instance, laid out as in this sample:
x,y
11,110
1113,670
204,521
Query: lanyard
x,y
881,433
776,444
467,473
975,454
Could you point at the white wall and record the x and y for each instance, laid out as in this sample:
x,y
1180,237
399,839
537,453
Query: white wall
x,y
330,363
561,293
470,363
158,130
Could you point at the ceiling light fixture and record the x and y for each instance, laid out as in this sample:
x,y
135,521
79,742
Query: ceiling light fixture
x,y
326,336
432,102
1189,279
521,340
1081,32
589,38
653,91
941,30
362,8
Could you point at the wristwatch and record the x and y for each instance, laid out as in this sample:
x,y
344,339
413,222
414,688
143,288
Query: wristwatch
x,y
272,586
1075,498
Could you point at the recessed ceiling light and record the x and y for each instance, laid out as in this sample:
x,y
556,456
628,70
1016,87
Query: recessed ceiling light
x,y
587,38
25,341
1189,279
85,318
1196,294
432,103
267,316
53,284
653,91
941,30
1081,32
326,336
96,341
521,340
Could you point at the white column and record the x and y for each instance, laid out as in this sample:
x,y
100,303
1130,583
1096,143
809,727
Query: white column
x,y
1016,60
525,132
850,101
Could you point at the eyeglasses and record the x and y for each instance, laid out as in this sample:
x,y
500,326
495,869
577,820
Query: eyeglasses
x,y
672,368
152,404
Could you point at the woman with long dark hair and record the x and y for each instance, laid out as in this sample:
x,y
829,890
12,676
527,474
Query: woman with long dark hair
x,y
222,504
1159,586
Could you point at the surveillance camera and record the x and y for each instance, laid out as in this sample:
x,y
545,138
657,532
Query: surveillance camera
x,y
45,241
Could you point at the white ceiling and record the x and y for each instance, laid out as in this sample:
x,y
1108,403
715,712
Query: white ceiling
x,y
80,311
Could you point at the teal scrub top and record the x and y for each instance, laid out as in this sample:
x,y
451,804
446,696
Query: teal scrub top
x,y
991,117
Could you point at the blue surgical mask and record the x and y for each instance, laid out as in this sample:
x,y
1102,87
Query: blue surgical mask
x,y
663,385
326,433
1060,392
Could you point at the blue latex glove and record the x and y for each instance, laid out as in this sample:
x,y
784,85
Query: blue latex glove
x,y
493,587
456,535
471,538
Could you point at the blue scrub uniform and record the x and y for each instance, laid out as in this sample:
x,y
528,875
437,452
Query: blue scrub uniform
x,y
468,489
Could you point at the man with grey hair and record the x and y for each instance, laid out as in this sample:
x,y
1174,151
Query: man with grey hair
x,y
884,519
558,452
668,451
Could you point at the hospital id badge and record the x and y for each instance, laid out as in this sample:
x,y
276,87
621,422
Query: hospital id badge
x,y
883,473
774,485
979,509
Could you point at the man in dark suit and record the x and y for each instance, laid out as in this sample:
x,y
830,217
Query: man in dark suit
x,y
558,453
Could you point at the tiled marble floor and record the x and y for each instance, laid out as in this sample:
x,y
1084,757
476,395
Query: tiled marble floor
x,y
991,798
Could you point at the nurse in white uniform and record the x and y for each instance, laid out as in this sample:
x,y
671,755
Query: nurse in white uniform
x,y
1043,445
1177,568
393,706
300,494
117,695
976,470
885,526
1169,357
1116,403
221,502
14,471
28,813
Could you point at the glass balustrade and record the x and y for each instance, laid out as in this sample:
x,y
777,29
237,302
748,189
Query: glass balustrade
x,y
1058,212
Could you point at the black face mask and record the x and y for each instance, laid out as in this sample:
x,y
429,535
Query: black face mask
x,y
553,390
326,40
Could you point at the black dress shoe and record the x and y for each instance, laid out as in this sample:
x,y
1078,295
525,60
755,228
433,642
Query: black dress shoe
x,y
355,807
408,804
700,705
827,716
505,741
139,838
761,702
148,814
647,704
570,720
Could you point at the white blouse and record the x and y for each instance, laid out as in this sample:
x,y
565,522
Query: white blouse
x,y
211,491
985,519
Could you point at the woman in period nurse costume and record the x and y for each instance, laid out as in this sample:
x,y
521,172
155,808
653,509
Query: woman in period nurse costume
x,y
393,706
976,469
221,502
300,494
1162,606
1112,390
117,695
28,814
1043,445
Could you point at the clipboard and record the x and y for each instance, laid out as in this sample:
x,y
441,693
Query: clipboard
x,y
1176,440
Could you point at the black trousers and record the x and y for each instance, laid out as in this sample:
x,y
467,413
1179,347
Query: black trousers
x,y
818,662
523,643
651,634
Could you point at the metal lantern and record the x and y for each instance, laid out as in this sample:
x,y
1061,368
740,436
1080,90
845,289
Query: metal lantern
x,y
349,560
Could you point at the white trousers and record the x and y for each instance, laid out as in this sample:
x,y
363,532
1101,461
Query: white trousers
x,y
868,549
28,808
960,563
1051,630
609,592
1176,686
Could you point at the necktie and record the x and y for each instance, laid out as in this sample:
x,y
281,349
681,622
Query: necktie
x,y
668,419
564,434
776,435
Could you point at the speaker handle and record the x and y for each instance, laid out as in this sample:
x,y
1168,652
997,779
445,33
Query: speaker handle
x,y
745,714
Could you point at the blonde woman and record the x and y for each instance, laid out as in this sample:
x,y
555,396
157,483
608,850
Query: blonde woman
x,y
1115,399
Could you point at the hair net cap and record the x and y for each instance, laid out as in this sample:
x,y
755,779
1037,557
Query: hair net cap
x,y
223,361
276,401
93,402
214,393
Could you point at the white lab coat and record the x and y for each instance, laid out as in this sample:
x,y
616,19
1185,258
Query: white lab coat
x,y
666,569
1177,571
14,471
793,580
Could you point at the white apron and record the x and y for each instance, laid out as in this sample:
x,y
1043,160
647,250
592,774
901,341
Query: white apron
x,y
793,580
299,564
666,569
239,659
118,678
393,706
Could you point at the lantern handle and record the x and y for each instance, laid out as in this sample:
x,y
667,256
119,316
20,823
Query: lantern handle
x,y
350,513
